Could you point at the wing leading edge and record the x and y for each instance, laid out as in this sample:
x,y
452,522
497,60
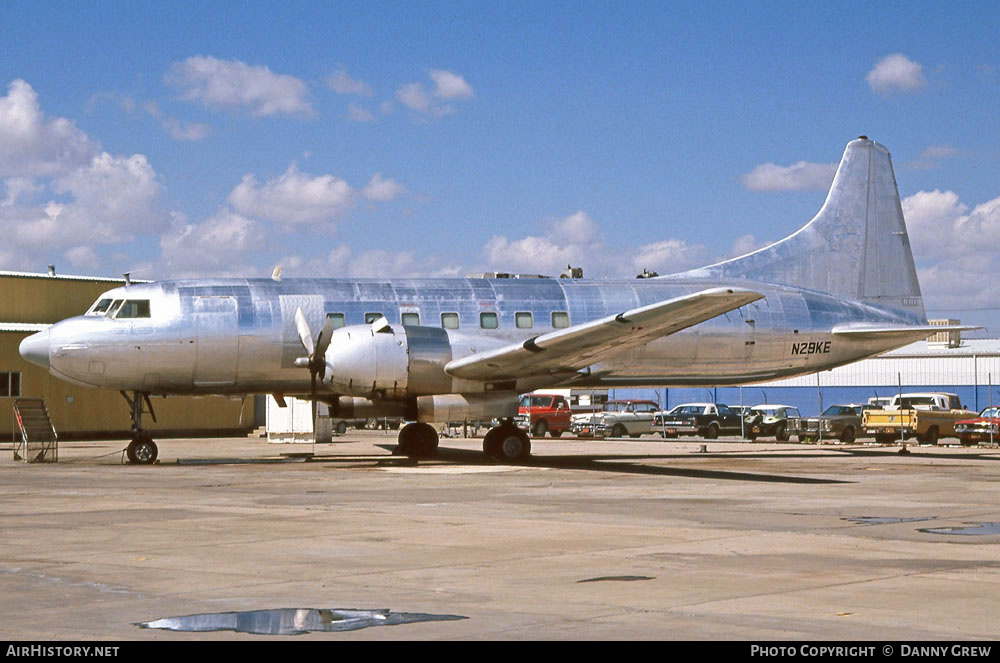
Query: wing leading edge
x,y
579,346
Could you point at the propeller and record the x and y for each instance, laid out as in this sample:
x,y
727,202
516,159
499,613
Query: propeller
x,y
315,360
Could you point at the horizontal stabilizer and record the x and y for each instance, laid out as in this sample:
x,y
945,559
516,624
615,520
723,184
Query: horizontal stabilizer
x,y
579,346
916,332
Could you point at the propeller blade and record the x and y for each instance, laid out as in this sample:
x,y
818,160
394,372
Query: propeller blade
x,y
305,335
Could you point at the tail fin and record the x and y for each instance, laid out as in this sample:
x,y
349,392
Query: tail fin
x,y
856,246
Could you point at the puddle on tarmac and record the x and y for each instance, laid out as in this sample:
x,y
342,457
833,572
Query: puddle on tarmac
x,y
971,529
882,520
616,579
293,621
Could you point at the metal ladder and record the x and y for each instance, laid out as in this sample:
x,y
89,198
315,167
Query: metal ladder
x,y
39,442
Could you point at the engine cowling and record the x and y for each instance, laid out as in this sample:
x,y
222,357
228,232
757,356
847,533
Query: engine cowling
x,y
388,361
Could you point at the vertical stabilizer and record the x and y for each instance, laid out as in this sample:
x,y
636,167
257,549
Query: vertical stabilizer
x,y
856,247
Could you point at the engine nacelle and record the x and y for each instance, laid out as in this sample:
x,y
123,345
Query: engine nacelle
x,y
389,362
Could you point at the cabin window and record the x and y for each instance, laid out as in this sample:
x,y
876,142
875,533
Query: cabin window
x,y
336,320
134,308
372,317
488,320
523,320
560,319
100,306
10,385
410,319
449,320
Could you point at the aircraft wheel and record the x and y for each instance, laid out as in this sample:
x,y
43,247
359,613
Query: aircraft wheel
x,y
515,446
142,450
341,427
417,440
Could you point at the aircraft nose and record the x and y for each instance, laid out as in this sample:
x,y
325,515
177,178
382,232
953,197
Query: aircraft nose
x,y
35,349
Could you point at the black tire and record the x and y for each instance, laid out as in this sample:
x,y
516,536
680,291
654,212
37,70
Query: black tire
x,y
555,433
341,428
752,437
619,430
142,450
417,440
930,437
540,429
712,432
781,433
847,435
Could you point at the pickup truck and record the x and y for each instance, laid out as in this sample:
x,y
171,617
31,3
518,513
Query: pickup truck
x,y
543,413
927,416
705,419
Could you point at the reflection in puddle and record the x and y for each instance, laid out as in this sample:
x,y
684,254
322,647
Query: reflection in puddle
x,y
292,621
972,529
616,579
881,520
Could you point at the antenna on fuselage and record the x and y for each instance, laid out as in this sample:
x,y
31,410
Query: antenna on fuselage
x,y
128,278
276,274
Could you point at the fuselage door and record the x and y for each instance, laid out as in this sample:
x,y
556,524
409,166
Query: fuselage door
x,y
218,351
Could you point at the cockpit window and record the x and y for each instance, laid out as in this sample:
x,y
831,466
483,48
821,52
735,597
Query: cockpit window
x,y
134,308
100,306
114,308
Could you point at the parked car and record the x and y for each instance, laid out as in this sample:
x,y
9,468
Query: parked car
x,y
709,420
340,426
768,420
838,422
984,428
617,419
543,413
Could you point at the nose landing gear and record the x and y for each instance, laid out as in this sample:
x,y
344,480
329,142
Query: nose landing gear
x,y
141,450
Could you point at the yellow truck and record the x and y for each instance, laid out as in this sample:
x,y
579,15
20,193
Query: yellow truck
x,y
927,416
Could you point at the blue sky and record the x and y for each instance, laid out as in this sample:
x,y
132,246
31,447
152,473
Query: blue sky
x,y
444,138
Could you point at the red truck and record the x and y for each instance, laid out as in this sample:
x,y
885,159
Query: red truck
x,y
543,413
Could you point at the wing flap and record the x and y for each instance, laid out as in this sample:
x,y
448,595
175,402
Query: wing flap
x,y
581,345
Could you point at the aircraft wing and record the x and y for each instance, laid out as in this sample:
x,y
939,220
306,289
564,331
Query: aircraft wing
x,y
579,346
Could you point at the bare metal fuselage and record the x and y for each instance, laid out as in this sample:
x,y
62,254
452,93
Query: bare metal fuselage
x,y
238,336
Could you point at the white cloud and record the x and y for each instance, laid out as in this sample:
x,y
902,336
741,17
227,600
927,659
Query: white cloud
x,y
177,129
343,261
235,84
447,86
450,85
896,73
380,189
32,145
341,83
800,176
575,239
414,97
954,248
293,199
219,246
356,113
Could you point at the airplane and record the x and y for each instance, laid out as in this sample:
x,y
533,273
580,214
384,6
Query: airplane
x,y
841,288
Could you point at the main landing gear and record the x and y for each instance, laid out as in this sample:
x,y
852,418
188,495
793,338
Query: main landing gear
x,y
506,442
141,450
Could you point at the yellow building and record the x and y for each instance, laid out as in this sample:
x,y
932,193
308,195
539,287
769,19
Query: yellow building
x,y
30,302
